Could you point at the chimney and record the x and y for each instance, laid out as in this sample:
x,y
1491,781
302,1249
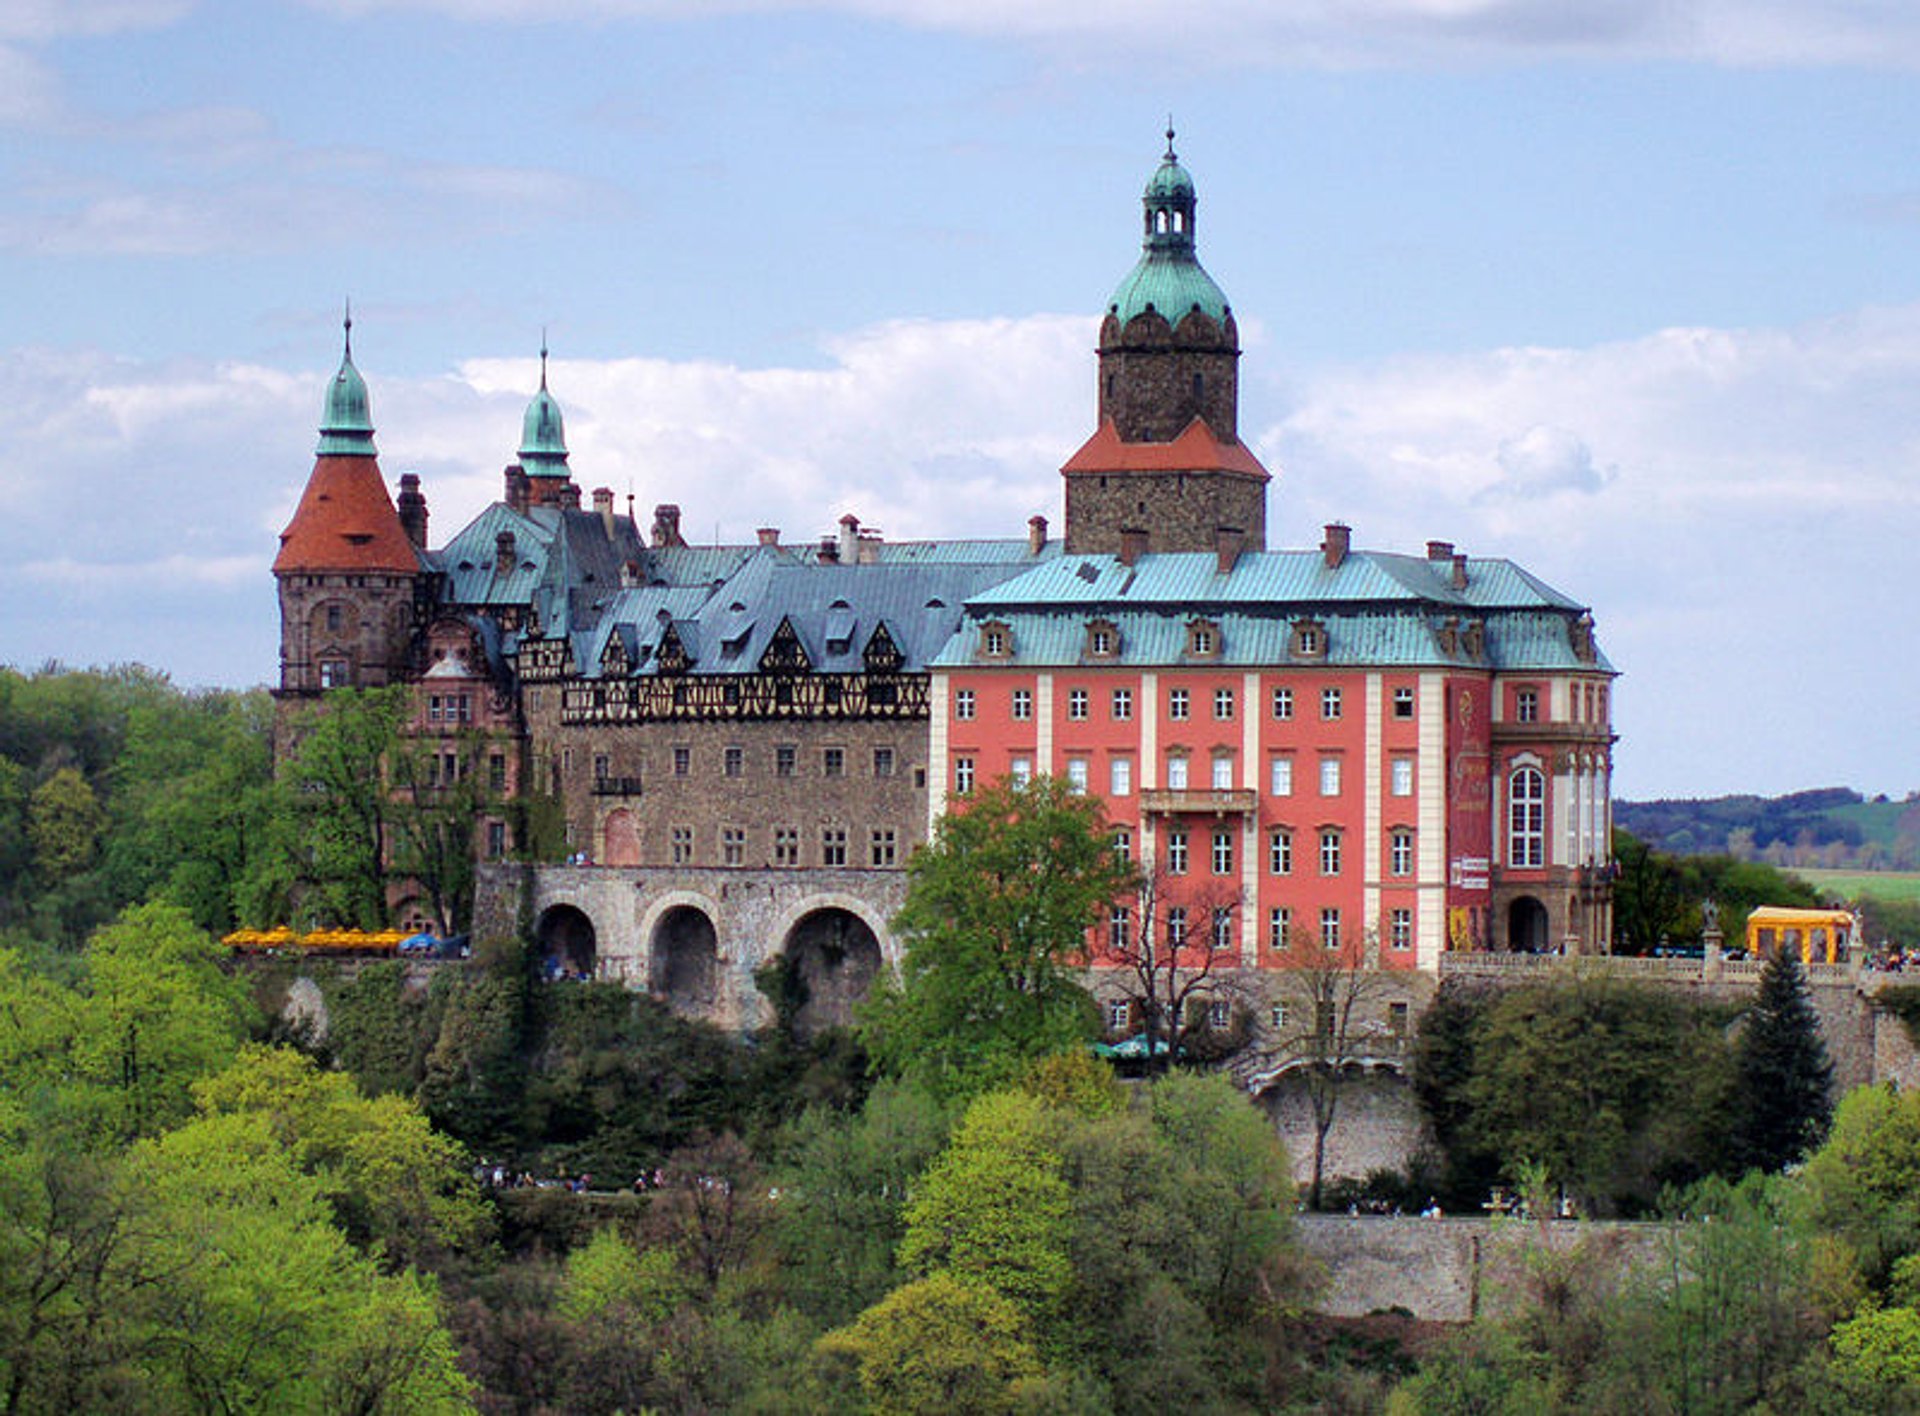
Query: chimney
x,y
630,574
1459,570
1227,544
829,551
869,548
1439,550
1333,550
504,554
1133,544
666,525
769,535
1036,535
518,488
603,503
849,538
413,509
568,497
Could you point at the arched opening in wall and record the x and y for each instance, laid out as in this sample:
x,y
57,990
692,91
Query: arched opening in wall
x,y
685,953
622,843
1527,926
832,958
567,945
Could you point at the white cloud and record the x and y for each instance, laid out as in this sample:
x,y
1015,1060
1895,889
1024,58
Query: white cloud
x,y
1333,33
1738,506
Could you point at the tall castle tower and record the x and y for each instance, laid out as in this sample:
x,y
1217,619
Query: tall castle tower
x,y
349,568
1167,469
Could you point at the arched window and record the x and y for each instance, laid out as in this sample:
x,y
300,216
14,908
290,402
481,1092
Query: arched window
x,y
1527,818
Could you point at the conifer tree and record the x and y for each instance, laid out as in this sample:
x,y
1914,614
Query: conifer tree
x,y
1785,1089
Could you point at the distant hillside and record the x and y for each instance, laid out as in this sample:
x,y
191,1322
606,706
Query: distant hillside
x,y
1833,827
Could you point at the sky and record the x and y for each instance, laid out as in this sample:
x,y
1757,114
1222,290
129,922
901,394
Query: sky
x,y
1627,291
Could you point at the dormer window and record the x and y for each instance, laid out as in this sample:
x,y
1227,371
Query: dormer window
x,y
1309,639
1203,639
996,641
1103,640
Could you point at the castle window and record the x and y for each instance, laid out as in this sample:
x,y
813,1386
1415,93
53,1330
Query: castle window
x,y
682,761
1178,702
1401,773
683,845
1120,777
1223,705
1329,776
1330,929
1122,704
1329,852
883,762
1119,939
334,617
1103,640
1279,923
1021,770
1077,775
833,762
602,767
1400,936
1022,704
1077,704
1282,705
1222,772
962,776
1203,639
882,847
733,845
1223,852
784,756
1177,926
1527,818
1123,844
1309,640
333,673
1280,852
496,839
1177,772
1330,704
833,846
497,772
996,641
734,761
1219,1011
786,845
1176,852
1526,705
1403,703
1280,776
963,703
1400,853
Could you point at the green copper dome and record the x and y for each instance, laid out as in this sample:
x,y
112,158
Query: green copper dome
x,y
1168,278
346,418
543,436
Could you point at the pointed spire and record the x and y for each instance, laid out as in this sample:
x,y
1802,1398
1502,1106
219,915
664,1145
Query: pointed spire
x,y
543,435
543,358
1170,157
346,417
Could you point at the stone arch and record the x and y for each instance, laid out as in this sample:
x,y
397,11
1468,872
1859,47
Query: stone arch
x,y
683,955
874,919
568,944
620,838
834,956
1528,926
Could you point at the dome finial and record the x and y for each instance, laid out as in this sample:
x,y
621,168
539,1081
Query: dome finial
x,y
1170,157
346,323
543,358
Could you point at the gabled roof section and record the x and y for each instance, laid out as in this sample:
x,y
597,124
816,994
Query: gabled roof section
x,y
1197,449
346,522
469,560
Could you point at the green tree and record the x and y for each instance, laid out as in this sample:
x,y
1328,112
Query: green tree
x,y
996,905
945,1344
63,823
1863,1184
1649,904
339,793
158,1013
396,1186
1784,1098
992,1209
842,1190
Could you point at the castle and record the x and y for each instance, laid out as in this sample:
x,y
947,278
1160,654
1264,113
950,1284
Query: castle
x,y
750,740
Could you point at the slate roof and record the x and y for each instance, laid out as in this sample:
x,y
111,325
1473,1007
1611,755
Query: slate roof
x,y
1376,609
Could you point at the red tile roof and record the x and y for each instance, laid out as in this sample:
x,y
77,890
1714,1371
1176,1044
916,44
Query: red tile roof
x,y
1195,450
346,521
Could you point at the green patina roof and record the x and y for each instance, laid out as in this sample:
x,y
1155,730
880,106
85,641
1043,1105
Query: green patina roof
x,y
346,418
543,436
1168,278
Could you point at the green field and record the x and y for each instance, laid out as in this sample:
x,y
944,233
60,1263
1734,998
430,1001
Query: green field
x,y
1890,885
